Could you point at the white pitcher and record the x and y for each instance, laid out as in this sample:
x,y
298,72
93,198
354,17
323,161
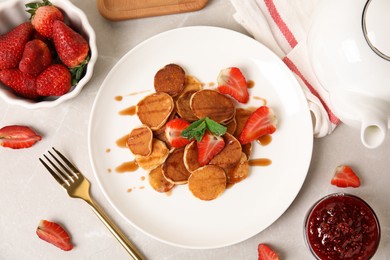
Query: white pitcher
x,y
349,49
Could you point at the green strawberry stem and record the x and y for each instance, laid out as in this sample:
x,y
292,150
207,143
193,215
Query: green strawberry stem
x,y
198,128
78,71
32,7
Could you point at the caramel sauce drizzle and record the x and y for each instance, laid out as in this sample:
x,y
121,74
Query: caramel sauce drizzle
x,y
250,83
260,162
127,167
130,111
122,142
264,140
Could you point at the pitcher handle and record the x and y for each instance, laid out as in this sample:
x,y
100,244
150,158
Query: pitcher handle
x,y
373,132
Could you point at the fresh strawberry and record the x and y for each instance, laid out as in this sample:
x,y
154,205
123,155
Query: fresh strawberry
x,y
36,57
232,82
23,84
208,147
72,47
261,122
54,81
55,234
18,137
43,15
266,253
345,177
173,131
12,45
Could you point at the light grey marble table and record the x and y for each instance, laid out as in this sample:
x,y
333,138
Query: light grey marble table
x,y
28,194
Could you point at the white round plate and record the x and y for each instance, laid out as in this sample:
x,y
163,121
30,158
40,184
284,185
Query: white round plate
x,y
241,211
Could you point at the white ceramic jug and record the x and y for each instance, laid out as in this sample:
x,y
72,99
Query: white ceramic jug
x,y
349,49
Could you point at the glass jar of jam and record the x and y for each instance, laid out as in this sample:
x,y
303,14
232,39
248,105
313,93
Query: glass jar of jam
x,y
342,226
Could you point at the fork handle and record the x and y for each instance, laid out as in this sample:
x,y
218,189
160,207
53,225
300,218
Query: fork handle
x,y
130,248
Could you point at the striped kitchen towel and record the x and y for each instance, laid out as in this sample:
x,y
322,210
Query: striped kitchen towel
x,y
282,26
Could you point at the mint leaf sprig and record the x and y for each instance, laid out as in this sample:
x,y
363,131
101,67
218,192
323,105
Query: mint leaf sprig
x,y
198,128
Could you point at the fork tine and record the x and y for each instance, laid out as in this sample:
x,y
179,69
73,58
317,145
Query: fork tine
x,y
70,165
55,176
68,172
60,173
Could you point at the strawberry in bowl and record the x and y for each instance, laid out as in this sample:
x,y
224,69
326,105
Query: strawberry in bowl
x,y
53,52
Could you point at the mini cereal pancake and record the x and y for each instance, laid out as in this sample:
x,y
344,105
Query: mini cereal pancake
x,y
239,172
212,104
230,154
183,107
231,126
191,157
140,141
158,181
157,157
155,109
191,84
170,80
174,170
207,182
242,115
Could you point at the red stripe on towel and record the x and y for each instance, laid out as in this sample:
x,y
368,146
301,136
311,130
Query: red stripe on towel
x,y
294,69
280,23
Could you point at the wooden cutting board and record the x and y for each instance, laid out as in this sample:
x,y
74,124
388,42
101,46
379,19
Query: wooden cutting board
x,y
116,10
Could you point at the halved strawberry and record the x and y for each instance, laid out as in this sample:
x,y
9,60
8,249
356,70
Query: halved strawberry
x,y
345,177
266,253
208,147
17,137
173,131
55,234
260,122
233,83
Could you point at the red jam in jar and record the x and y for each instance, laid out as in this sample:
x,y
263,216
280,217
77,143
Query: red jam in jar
x,y
342,226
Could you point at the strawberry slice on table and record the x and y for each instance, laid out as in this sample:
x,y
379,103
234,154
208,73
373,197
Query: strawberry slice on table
x,y
43,15
208,147
56,80
261,122
232,82
173,131
266,253
18,137
55,234
345,177
21,83
12,45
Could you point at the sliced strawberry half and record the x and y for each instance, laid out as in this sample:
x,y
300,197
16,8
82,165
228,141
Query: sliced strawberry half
x,y
173,131
232,82
345,177
17,137
55,234
261,122
208,147
266,253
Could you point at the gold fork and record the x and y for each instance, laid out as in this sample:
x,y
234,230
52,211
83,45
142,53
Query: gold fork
x,y
77,186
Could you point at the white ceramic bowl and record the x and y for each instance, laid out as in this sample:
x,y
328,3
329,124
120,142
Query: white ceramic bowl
x,y
12,13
